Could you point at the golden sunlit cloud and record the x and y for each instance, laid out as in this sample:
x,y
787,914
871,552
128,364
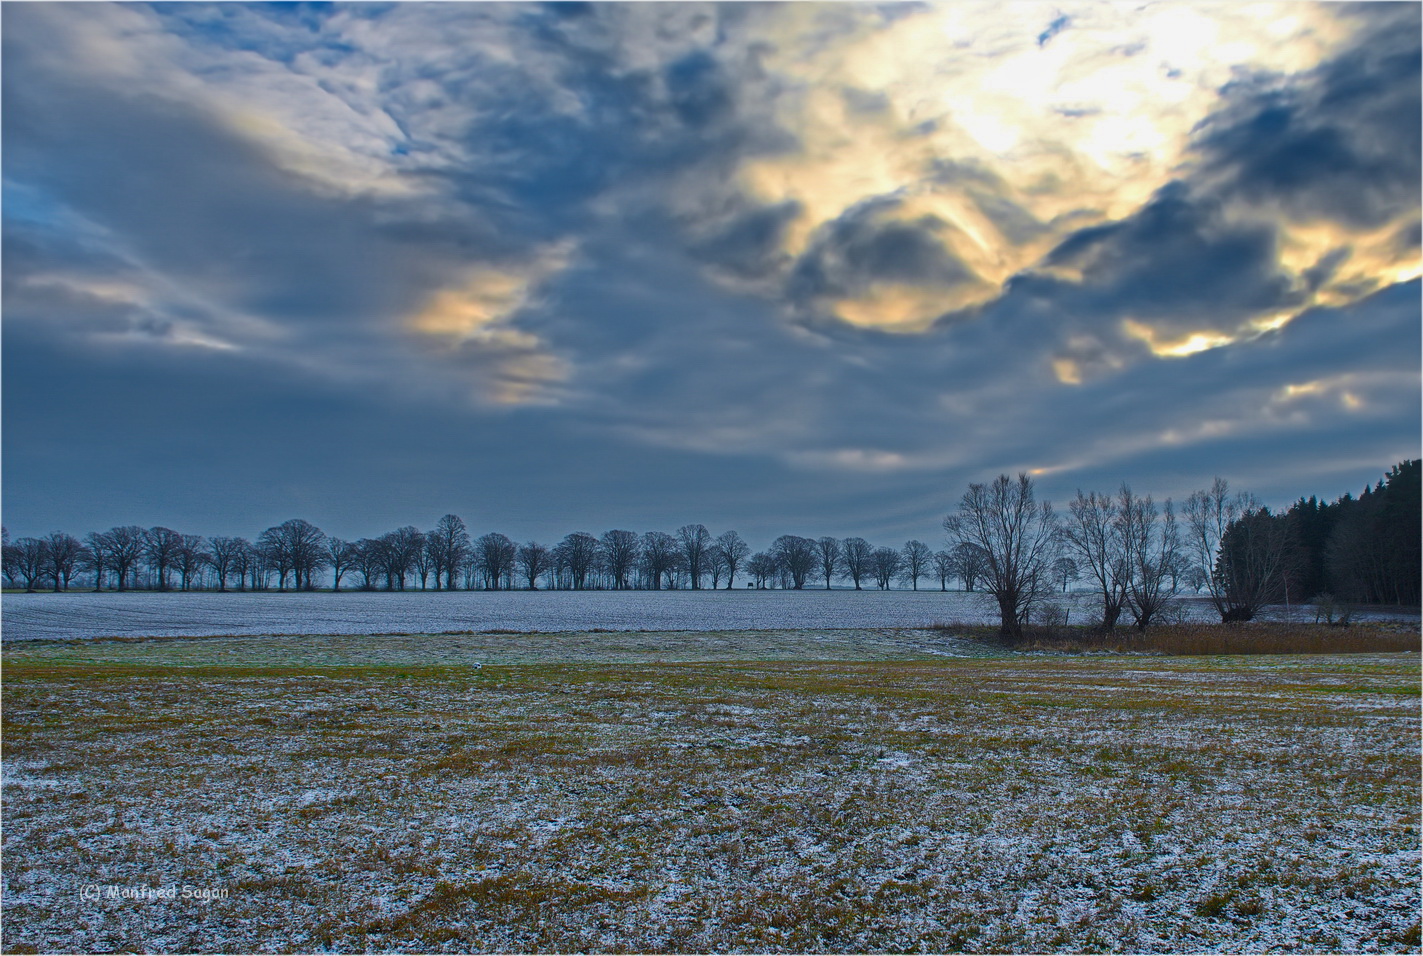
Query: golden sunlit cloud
x,y
1340,388
1179,347
475,316
1067,371
1015,142
488,296
897,307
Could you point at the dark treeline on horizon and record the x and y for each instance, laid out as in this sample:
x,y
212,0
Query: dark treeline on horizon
x,y
1134,555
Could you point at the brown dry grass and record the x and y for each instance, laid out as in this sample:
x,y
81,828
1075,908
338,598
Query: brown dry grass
x,y
1198,639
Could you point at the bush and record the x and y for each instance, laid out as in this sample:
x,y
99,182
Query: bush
x,y
1333,612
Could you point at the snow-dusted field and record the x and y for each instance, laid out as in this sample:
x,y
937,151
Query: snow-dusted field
x,y
84,614
970,803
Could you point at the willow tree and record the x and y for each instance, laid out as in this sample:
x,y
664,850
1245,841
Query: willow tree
x,y
1018,537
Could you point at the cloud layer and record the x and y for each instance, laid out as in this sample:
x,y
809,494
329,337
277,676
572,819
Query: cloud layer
x,y
831,261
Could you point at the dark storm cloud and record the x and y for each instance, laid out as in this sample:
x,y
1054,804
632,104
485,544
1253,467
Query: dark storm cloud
x,y
1341,142
699,93
1180,260
218,445
748,244
863,247
688,111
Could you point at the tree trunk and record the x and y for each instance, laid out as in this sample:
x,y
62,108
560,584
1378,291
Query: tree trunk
x,y
1011,627
1110,615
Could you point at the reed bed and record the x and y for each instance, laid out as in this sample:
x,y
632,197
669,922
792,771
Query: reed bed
x,y
1197,639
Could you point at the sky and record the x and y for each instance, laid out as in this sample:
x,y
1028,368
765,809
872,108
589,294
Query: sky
x,y
781,268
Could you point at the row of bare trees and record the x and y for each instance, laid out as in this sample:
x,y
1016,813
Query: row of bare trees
x,y
298,555
1136,556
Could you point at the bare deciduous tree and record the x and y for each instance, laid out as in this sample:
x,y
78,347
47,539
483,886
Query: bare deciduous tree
x,y
1151,542
944,568
64,552
96,557
716,565
298,546
1092,533
307,545
694,540
1018,537
424,562
659,552
496,553
578,554
731,551
124,545
914,561
620,553
9,564
220,554
398,551
796,555
1209,515
762,567
533,559
447,544
31,560
970,565
886,563
244,562
160,550
369,562
341,556
857,557
827,552
189,560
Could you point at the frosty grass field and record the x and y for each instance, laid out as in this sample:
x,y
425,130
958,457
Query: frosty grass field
x,y
85,614
833,790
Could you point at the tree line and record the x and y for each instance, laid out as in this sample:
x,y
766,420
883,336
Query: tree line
x,y
298,555
1134,555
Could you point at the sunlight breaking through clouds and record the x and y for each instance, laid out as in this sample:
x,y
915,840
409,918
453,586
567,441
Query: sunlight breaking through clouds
x,y
1177,348
956,115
